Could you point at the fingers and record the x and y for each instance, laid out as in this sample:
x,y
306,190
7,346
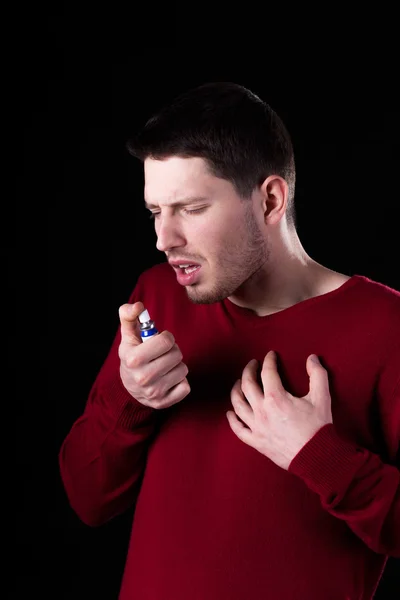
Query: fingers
x,y
130,330
248,385
240,403
269,374
319,380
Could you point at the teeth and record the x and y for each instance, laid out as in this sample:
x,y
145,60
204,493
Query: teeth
x,y
183,266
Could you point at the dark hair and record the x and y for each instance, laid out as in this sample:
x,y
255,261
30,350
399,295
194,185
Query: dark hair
x,y
240,137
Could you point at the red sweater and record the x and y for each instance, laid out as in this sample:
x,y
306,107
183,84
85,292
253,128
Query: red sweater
x,y
214,519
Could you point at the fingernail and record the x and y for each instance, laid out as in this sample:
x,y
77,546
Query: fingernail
x,y
314,358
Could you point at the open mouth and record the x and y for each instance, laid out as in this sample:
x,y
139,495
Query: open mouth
x,y
189,269
187,275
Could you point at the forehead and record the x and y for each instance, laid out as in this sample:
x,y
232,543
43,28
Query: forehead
x,y
177,176
175,166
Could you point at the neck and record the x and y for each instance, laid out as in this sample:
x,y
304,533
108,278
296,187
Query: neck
x,y
288,276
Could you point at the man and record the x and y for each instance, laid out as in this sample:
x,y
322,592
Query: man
x,y
275,479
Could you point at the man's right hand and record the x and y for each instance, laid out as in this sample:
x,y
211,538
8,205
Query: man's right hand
x,y
152,372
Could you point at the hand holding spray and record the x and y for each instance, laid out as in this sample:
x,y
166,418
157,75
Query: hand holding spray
x,y
180,389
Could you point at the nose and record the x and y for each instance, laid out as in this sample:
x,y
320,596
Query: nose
x,y
168,234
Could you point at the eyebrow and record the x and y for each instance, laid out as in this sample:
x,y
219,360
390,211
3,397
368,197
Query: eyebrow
x,y
189,200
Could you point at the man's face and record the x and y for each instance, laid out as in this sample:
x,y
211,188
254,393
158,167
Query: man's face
x,y
223,237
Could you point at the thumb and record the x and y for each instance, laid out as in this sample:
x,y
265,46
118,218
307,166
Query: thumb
x,y
319,384
128,316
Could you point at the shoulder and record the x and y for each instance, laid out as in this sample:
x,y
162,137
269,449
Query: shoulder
x,y
378,293
362,294
376,305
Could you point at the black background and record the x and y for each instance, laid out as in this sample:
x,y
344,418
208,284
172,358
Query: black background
x,y
79,81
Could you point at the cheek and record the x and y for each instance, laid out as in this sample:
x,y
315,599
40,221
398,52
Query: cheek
x,y
221,230
217,235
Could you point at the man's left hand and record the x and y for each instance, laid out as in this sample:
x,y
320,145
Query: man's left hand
x,y
276,423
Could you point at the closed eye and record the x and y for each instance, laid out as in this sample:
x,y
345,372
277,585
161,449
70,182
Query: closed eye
x,y
197,210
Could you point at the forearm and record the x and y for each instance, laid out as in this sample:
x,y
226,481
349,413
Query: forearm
x,y
102,458
354,485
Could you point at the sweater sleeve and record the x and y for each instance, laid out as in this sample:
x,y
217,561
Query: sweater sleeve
x,y
354,484
103,456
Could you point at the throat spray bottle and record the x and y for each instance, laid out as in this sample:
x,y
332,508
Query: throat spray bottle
x,y
147,326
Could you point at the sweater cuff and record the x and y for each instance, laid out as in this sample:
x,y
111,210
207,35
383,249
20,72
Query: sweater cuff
x,y
327,461
128,412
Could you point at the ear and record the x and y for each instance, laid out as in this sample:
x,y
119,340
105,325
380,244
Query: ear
x,y
275,193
